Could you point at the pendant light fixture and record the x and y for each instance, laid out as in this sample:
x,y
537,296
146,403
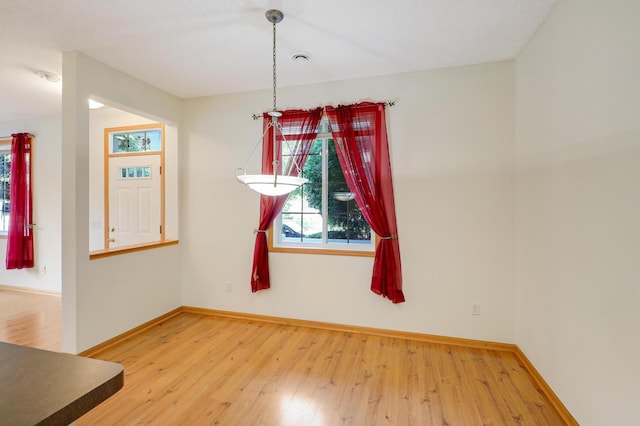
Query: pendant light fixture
x,y
273,184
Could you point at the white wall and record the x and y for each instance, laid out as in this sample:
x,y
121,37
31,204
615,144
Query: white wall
x,y
106,297
452,148
578,207
45,169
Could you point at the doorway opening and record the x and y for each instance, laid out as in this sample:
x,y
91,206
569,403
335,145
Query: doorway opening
x,y
134,185
133,182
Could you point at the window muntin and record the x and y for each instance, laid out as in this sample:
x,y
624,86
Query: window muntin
x,y
302,224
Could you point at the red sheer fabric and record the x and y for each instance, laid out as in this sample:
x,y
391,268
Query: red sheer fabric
x,y
301,129
360,136
20,235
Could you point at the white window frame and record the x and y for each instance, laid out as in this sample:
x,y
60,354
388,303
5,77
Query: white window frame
x,y
5,148
276,243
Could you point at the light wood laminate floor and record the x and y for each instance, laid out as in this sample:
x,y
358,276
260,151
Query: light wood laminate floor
x,y
205,370
31,319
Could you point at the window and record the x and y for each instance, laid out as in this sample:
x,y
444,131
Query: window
x,y
5,185
322,215
136,141
143,172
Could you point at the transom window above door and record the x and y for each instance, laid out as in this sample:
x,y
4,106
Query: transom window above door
x,y
145,140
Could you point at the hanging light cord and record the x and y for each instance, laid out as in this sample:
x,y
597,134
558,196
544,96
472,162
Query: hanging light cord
x,y
274,66
274,118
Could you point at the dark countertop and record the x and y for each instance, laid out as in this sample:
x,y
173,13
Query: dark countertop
x,y
50,388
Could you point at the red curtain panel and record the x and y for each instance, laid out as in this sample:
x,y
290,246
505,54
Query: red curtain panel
x,y
360,137
305,129
20,235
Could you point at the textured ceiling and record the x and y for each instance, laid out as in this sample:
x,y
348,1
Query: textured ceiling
x,y
204,47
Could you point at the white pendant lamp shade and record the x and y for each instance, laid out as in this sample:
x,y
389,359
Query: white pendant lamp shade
x,y
272,185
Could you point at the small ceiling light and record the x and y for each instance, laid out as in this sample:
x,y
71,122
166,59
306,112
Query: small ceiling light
x,y
95,104
272,185
49,76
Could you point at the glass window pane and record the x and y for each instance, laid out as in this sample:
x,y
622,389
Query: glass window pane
x,y
346,223
119,142
312,190
136,141
155,140
312,224
5,189
291,228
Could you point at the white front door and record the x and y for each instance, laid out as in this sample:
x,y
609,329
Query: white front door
x,y
134,200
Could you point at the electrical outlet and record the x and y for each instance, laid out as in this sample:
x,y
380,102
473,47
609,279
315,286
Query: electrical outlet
x,y
229,286
476,310
43,269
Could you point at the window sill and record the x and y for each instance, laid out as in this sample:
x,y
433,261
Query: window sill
x,y
320,251
99,254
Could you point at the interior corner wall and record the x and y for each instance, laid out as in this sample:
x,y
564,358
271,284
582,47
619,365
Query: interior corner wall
x,y
451,136
105,297
578,206
45,172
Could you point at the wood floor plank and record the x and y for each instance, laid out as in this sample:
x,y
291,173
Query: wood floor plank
x,y
417,389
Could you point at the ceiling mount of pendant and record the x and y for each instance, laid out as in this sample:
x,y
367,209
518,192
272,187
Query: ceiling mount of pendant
x,y
274,15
